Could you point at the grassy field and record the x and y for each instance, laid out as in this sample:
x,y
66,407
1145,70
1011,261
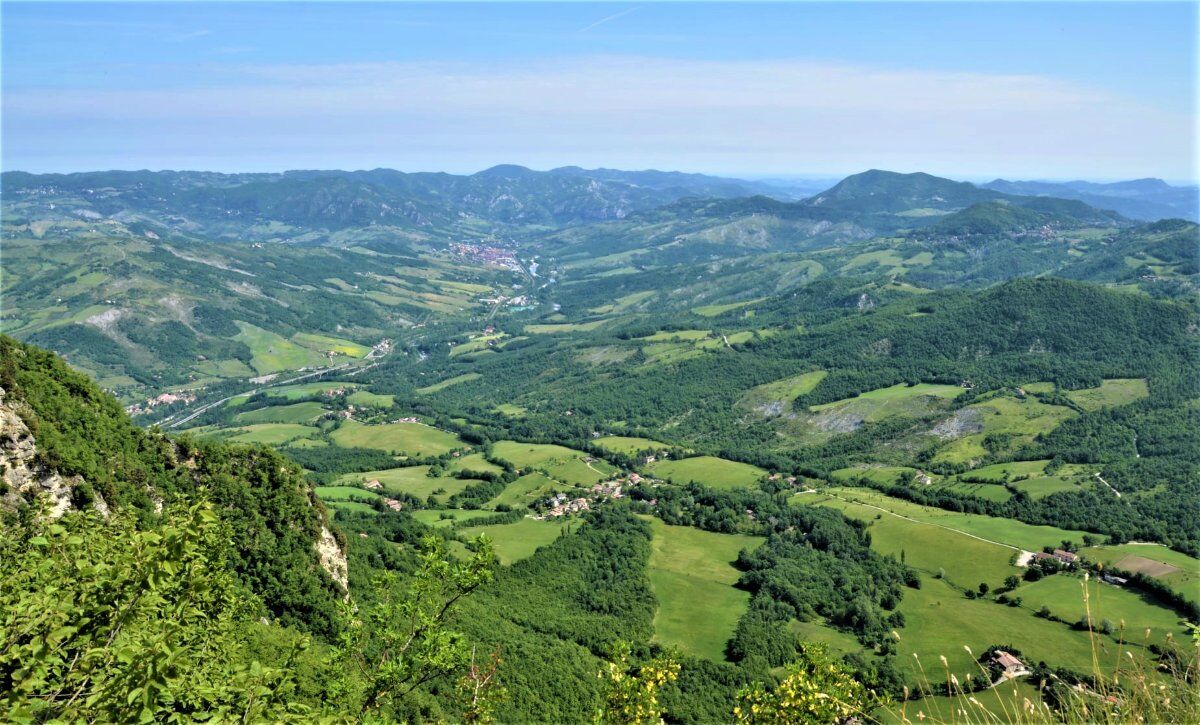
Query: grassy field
x,y
1111,393
342,493
526,489
628,444
1063,595
1005,531
894,400
1015,701
465,377
412,439
413,480
966,561
692,574
512,411
296,413
272,434
565,464
441,518
708,470
1022,418
306,390
367,399
323,343
785,390
1180,571
473,462
836,640
714,310
940,621
271,353
563,327
666,335
352,506
878,474
518,540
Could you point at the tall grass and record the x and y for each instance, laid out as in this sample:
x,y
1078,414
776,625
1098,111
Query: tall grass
x,y
1159,683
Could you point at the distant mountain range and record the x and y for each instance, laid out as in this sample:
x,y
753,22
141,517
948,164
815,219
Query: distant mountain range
x,y
317,206
1147,199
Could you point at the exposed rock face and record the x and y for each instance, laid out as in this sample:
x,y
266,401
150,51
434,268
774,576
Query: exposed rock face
x,y
23,475
333,559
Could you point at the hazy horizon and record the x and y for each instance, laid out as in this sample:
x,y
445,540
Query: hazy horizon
x,y
971,91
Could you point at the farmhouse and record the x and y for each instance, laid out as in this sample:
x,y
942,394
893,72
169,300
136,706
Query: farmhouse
x,y
1010,664
1066,557
1114,580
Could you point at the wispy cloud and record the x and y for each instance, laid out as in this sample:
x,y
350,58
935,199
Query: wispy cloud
x,y
602,21
772,115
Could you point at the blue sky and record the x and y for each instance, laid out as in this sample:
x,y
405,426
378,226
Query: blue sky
x,y
1079,90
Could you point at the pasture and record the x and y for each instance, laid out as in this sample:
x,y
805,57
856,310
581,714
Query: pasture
x,y
966,561
412,480
1111,393
306,390
628,444
296,413
444,518
343,493
413,439
442,385
940,621
367,399
715,310
324,343
898,399
565,464
517,541
1005,531
1062,594
526,490
272,434
707,470
692,574
271,353
1179,571
785,390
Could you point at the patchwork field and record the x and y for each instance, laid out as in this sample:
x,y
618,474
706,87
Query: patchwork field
x,y
1018,419
526,490
363,398
442,518
272,353
692,575
708,470
714,310
413,439
1180,571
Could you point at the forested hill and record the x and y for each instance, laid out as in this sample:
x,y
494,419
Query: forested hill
x,y
64,437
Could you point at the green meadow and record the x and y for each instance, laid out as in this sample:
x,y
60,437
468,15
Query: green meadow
x,y
965,561
466,377
517,541
692,575
414,439
1063,595
628,444
412,480
708,470
297,413
1111,393
270,433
